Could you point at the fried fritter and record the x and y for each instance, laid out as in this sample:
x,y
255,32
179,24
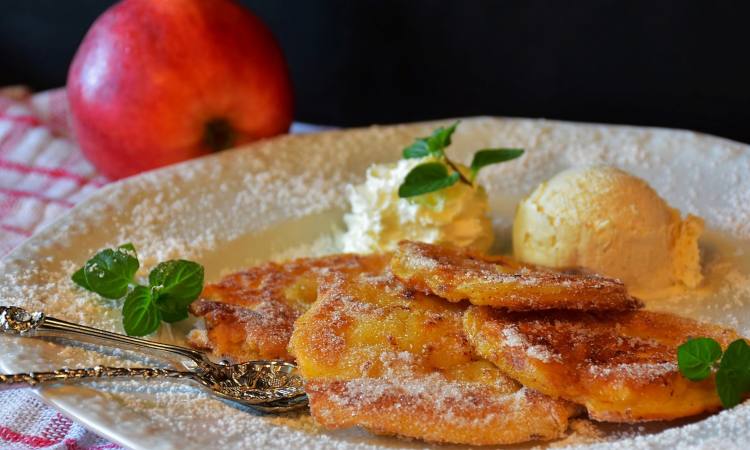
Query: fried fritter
x,y
250,314
621,365
377,354
459,274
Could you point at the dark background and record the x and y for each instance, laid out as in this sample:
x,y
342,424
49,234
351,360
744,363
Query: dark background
x,y
681,64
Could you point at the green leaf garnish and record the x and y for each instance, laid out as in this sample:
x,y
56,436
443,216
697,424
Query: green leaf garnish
x,y
733,376
433,145
441,138
696,357
109,272
737,356
489,156
173,285
79,278
419,149
427,177
177,280
139,313
421,180
729,387
171,313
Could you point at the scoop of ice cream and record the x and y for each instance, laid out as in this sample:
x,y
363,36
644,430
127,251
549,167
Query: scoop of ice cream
x,y
611,222
379,218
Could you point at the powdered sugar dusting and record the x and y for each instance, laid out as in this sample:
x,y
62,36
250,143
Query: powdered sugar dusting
x,y
514,339
642,370
446,396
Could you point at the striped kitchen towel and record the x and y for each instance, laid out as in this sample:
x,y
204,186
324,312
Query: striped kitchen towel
x,y
42,171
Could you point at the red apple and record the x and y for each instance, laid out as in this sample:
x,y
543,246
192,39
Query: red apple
x,y
160,81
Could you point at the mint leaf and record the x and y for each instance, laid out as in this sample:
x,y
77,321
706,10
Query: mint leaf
x,y
433,145
427,177
441,138
733,376
171,313
79,278
737,356
175,284
109,272
489,156
696,357
139,313
177,280
419,149
730,387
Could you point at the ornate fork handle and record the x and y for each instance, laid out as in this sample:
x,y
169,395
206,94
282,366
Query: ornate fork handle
x,y
67,375
270,386
18,321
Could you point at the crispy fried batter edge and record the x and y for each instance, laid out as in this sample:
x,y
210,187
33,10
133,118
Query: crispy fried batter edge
x,y
622,366
250,314
460,274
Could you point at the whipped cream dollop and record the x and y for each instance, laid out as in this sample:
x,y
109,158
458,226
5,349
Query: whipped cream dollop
x,y
379,218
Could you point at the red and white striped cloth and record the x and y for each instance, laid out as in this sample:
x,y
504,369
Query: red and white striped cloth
x,y
42,171
27,423
42,174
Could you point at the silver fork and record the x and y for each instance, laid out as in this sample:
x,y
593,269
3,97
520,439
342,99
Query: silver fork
x,y
269,386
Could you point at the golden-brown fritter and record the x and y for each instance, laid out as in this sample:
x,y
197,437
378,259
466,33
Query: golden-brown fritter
x,y
250,314
622,366
377,354
459,274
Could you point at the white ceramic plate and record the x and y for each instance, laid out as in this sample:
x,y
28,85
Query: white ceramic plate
x,y
284,197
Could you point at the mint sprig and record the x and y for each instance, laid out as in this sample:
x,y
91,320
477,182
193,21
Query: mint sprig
x,y
109,272
441,173
173,285
140,316
489,156
698,358
433,145
176,284
427,177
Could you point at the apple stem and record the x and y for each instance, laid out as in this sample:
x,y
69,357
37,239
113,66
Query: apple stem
x,y
218,134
